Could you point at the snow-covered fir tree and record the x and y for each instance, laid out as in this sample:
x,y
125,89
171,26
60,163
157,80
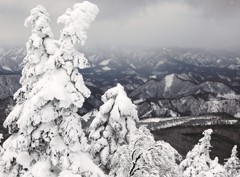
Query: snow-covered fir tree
x,y
49,140
144,157
34,60
116,118
232,165
198,162
36,49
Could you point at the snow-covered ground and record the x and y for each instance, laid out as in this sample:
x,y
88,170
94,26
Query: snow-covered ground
x,y
106,68
161,123
105,62
168,81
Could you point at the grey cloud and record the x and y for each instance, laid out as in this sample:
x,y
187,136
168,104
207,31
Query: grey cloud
x,y
172,23
209,8
217,8
156,23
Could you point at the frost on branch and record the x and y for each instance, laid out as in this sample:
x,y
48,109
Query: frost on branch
x,y
116,118
198,162
232,165
49,140
145,157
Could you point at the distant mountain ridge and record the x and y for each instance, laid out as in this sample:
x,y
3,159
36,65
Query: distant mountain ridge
x,y
11,59
184,98
162,82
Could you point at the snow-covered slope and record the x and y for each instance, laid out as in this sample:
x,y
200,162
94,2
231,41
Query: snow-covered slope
x,y
183,97
173,86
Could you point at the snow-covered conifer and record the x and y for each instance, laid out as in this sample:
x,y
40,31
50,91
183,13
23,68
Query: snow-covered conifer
x,y
145,157
116,118
232,165
33,62
198,162
50,141
36,50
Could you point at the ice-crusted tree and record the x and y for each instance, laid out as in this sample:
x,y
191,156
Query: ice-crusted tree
x,y
34,60
232,165
198,162
50,141
145,157
116,118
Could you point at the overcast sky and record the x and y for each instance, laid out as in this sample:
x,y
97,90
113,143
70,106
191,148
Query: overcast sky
x,y
154,23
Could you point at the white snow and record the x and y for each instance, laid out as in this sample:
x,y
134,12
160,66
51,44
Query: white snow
x,y
24,159
230,96
90,114
159,64
147,113
105,62
141,78
138,101
42,168
168,82
83,167
51,46
154,120
106,68
161,123
173,114
6,68
153,77
133,66
237,115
